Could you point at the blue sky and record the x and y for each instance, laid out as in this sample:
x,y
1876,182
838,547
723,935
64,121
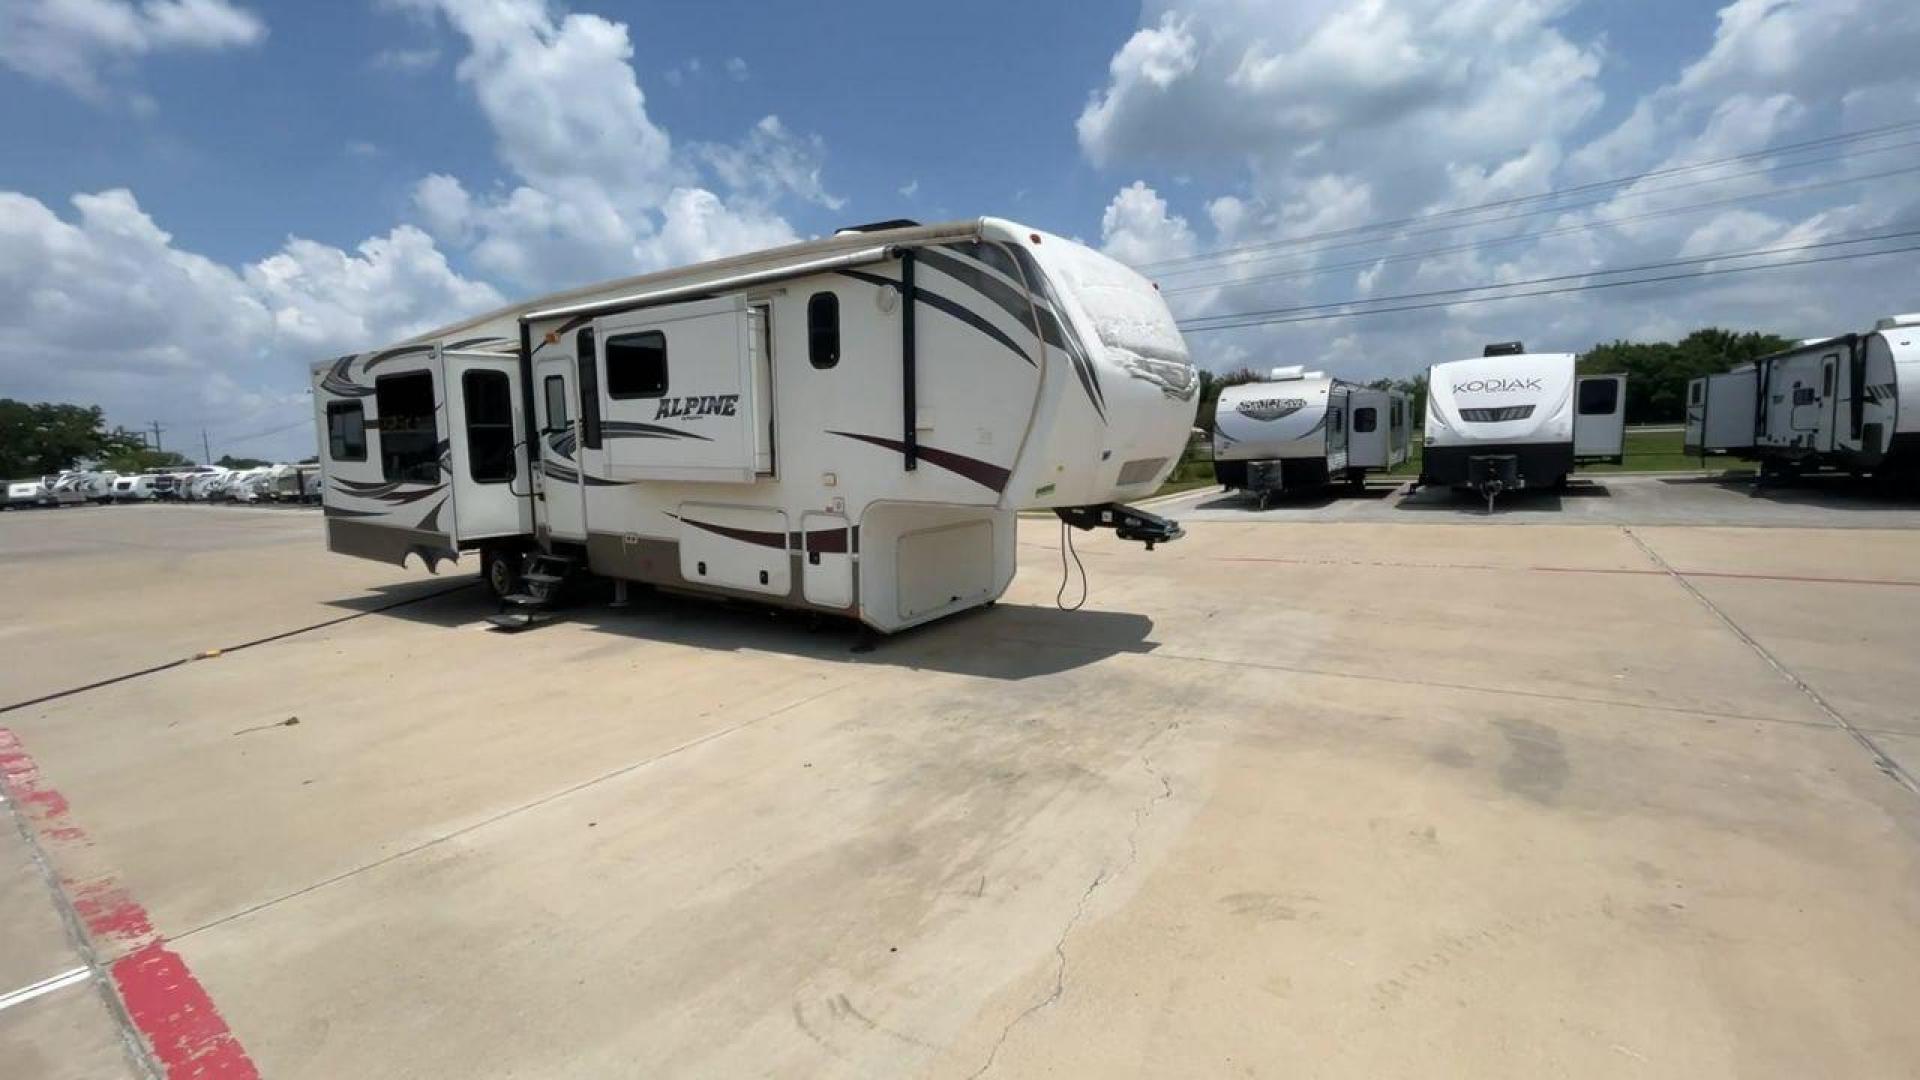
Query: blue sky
x,y
198,197
312,133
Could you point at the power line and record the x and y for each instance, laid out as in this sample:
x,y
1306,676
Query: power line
x,y
1363,242
305,420
1784,148
1642,268
1281,321
1588,226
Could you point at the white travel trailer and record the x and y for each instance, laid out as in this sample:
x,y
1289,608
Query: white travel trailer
x,y
136,488
1850,403
846,425
1509,419
201,487
292,484
1303,429
22,494
96,486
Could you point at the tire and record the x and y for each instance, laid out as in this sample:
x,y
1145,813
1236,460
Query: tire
x,y
500,569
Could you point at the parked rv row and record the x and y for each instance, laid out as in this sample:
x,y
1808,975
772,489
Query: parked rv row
x,y
200,483
1847,404
1302,429
1502,421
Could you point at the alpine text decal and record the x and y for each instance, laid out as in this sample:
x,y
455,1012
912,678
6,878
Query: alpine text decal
x,y
1497,386
705,405
1270,408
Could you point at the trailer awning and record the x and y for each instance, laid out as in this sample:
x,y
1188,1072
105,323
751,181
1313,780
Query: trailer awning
x,y
728,283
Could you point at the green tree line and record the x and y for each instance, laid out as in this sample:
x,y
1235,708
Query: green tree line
x,y
43,438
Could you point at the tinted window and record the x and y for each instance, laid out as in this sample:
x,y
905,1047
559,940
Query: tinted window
x,y
1599,397
637,365
1694,392
823,329
409,437
1826,377
589,366
346,431
1365,420
556,391
489,401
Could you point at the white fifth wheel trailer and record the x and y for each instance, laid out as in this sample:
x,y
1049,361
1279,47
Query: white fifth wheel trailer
x,y
1509,419
846,425
1302,429
1850,403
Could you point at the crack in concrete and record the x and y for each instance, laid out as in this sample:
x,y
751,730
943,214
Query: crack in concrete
x,y
1881,759
1059,990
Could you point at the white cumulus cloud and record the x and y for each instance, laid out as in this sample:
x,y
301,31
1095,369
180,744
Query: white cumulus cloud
x,y
105,308
1308,126
76,44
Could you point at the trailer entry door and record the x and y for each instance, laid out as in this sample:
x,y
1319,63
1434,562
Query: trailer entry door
x,y
1600,416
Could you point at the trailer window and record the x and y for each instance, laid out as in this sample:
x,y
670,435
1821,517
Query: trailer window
x,y
556,390
1397,415
409,438
823,330
1826,377
489,402
1365,420
589,388
637,365
1599,397
346,431
1694,392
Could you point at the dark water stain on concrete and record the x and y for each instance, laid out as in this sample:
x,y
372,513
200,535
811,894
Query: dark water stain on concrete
x,y
1536,766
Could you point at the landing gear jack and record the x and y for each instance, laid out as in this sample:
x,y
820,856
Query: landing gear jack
x,y
1126,522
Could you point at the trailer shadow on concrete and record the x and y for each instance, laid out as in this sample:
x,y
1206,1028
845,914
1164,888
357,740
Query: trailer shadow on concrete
x,y
1311,499
996,642
1441,499
1826,492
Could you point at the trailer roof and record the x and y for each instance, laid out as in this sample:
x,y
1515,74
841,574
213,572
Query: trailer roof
x,y
715,268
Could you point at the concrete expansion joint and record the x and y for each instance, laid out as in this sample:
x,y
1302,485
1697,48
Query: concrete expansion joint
x,y
1887,766
1104,875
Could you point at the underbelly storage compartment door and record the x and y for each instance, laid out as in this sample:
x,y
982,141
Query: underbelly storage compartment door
x,y
944,566
735,547
826,565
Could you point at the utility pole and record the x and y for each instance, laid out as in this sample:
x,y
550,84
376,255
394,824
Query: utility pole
x,y
207,447
157,429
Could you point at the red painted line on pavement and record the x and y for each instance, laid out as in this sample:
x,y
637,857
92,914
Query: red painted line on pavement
x,y
172,1011
1733,574
1808,580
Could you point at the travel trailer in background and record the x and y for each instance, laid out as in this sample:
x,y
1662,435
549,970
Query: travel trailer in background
x,y
137,488
1302,429
22,494
1849,403
293,484
846,425
1509,419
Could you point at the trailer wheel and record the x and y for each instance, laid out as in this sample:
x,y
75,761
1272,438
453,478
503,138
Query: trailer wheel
x,y
500,568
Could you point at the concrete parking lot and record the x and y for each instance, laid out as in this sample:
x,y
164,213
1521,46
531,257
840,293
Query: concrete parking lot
x,y
1298,795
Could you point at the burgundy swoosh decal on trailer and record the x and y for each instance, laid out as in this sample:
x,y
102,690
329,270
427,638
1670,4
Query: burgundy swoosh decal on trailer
x,y
825,541
984,473
749,536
